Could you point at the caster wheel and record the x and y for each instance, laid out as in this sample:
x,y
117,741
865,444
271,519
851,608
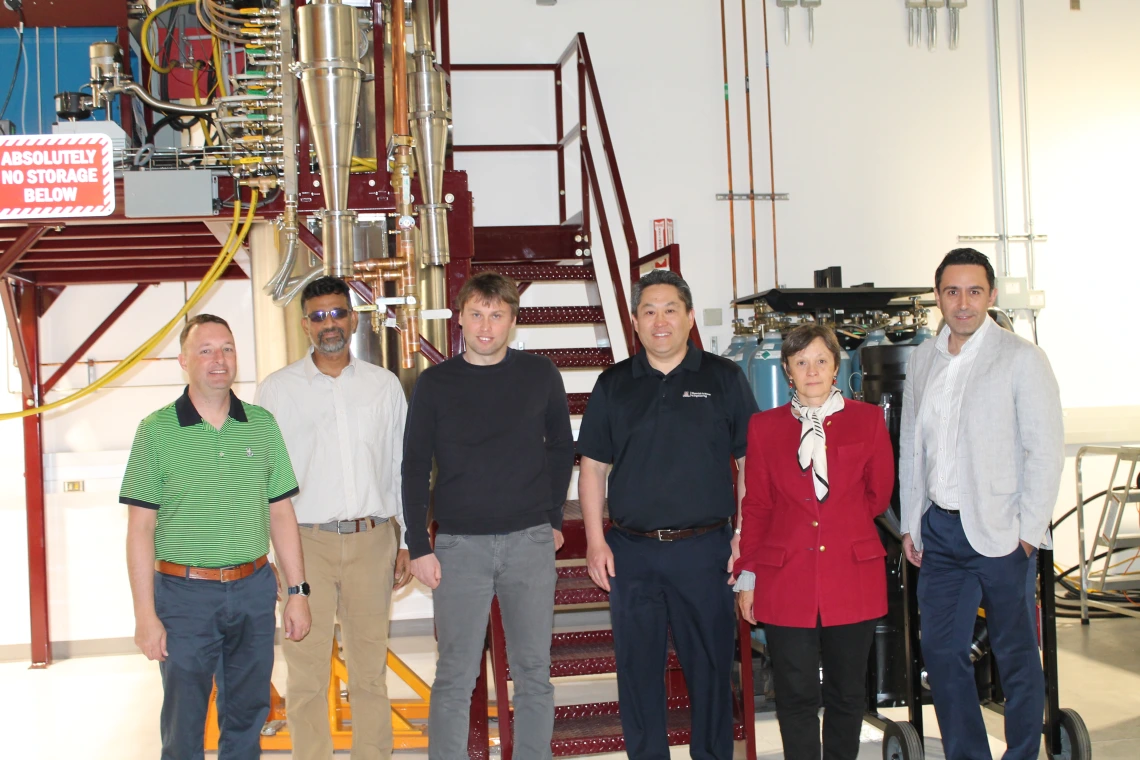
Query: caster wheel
x,y
1075,742
902,742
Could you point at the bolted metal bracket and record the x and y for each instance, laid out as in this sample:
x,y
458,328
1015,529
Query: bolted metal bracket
x,y
752,197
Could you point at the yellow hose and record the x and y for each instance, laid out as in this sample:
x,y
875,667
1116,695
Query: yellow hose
x,y
205,125
219,72
144,37
233,242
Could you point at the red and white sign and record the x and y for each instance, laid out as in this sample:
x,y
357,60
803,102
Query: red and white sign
x,y
51,176
662,237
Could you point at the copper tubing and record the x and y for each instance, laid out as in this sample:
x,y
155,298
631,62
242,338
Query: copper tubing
x,y
399,72
368,269
407,315
728,145
771,150
748,116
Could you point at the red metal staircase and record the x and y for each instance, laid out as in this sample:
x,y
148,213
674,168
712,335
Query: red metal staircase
x,y
563,253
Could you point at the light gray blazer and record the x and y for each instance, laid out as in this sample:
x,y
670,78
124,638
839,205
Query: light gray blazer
x,y
1011,445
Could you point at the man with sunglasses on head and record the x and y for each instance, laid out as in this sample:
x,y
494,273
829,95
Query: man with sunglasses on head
x,y
343,423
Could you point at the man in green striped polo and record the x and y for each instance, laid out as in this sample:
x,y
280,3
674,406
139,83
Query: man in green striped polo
x,y
208,484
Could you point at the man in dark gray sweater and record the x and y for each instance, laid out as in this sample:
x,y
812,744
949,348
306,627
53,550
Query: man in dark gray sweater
x,y
497,424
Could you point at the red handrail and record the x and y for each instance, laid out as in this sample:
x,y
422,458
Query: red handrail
x,y
588,92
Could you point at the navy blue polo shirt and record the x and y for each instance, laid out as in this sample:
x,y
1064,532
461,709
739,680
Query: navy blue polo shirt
x,y
670,439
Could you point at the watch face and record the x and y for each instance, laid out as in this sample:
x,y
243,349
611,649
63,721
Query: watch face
x,y
305,589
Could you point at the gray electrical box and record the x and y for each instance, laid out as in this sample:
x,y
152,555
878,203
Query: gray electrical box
x,y
169,192
1014,293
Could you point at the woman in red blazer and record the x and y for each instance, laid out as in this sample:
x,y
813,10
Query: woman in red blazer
x,y
817,473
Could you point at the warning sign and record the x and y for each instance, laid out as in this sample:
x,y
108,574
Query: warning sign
x,y
45,176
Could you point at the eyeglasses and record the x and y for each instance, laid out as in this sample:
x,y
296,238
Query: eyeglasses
x,y
320,314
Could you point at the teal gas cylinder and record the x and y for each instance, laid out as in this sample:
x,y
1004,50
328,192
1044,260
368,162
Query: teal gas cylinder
x,y
765,373
740,347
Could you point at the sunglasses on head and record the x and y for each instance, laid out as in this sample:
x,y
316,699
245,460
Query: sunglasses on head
x,y
320,314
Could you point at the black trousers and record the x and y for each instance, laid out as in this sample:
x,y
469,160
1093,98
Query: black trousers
x,y
224,628
796,656
680,586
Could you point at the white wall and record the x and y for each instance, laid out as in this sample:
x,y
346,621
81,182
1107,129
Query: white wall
x,y
888,152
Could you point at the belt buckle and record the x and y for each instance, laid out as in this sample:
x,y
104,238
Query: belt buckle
x,y
344,523
222,571
661,535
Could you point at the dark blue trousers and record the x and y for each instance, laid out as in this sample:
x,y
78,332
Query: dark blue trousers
x,y
679,586
213,626
954,581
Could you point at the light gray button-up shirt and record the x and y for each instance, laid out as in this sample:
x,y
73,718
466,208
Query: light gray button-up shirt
x,y
345,437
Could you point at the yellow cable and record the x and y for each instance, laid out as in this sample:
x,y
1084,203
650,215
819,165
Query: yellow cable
x,y
229,249
198,101
219,72
144,36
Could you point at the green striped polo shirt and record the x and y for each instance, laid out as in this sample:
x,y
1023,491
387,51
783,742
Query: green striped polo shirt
x,y
212,488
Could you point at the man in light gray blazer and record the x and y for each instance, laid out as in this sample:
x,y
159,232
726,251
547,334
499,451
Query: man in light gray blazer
x,y
980,457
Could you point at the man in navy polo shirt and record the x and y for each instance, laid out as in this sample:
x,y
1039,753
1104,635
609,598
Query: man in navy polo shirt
x,y
669,420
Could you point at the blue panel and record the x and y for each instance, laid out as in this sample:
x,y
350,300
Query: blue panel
x,y
33,108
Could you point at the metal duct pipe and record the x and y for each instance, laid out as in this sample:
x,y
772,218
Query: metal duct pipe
x,y
429,119
1003,261
1031,256
106,80
328,54
159,105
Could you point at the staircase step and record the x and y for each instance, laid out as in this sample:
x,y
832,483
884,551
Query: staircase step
x,y
596,728
551,242
561,315
577,357
577,402
575,587
539,271
586,653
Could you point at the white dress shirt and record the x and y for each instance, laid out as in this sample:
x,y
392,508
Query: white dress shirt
x,y
345,437
939,419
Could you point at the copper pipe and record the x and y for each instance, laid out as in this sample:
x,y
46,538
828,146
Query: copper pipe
x,y
399,71
407,315
748,117
367,267
771,150
728,145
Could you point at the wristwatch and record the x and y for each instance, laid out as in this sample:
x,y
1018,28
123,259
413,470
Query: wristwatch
x,y
302,590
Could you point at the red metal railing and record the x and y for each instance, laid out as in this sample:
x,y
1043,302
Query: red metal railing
x,y
588,97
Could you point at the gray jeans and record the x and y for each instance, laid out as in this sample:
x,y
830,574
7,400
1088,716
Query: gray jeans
x,y
518,568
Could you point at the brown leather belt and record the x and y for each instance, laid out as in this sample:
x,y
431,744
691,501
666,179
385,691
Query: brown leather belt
x,y
223,574
674,535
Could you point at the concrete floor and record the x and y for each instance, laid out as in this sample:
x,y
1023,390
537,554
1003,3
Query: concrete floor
x,y
106,708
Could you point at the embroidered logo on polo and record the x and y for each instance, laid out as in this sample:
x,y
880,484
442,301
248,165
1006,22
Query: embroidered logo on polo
x,y
248,452
696,394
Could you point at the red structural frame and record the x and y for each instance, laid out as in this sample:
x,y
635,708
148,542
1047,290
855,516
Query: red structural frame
x,y
39,259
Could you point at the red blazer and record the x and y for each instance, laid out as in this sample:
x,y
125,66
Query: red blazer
x,y
813,559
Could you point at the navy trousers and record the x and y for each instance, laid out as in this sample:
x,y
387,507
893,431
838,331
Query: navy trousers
x,y
679,586
224,627
954,581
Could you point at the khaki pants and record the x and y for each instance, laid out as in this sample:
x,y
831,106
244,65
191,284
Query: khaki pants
x,y
350,578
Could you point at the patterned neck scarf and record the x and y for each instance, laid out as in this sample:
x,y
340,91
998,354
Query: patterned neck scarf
x,y
813,441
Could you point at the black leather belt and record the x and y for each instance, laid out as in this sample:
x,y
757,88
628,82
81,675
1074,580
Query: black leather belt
x,y
954,512
674,535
